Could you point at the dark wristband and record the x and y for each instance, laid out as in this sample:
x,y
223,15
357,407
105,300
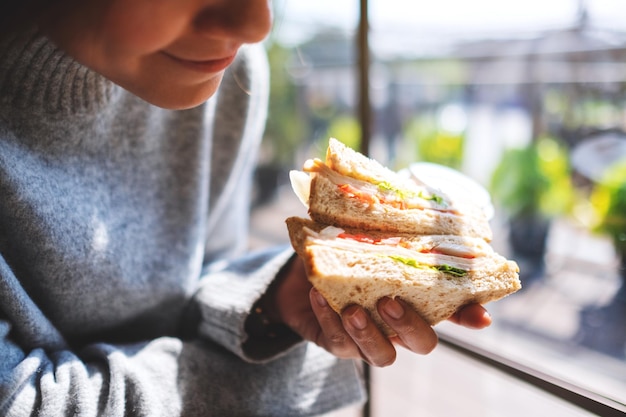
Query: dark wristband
x,y
260,326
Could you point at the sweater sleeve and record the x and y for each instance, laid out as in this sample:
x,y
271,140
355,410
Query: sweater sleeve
x,y
165,376
226,298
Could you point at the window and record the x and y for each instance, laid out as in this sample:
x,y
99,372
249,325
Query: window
x,y
475,85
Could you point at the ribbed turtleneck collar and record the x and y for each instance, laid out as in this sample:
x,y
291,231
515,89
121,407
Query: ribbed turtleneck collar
x,y
37,75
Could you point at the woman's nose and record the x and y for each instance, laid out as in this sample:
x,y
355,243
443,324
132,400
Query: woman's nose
x,y
247,21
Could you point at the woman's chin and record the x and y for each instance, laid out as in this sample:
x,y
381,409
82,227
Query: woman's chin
x,y
180,97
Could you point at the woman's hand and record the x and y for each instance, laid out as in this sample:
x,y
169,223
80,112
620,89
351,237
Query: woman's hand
x,y
353,334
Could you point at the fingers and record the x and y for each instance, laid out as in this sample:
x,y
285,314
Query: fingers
x,y
375,348
412,331
355,335
351,335
332,336
472,316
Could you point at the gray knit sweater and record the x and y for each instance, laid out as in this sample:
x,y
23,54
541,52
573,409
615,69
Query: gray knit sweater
x,y
118,219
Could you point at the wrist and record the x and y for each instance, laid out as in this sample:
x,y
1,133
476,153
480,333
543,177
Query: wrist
x,y
265,320
262,323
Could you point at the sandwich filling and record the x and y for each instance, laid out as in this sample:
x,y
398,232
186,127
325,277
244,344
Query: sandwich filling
x,y
382,192
454,258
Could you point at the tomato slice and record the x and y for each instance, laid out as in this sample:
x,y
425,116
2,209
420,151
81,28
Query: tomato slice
x,y
359,238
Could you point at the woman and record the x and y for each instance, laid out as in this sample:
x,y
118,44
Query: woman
x,y
128,137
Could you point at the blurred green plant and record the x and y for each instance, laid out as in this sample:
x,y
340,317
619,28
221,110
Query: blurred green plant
x,y
345,128
534,181
285,128
608,199
434,143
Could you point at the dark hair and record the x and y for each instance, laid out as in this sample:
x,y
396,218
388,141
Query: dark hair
x,y
16,15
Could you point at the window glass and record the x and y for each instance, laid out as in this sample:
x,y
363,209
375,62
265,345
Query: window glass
x,y
529,99
313,86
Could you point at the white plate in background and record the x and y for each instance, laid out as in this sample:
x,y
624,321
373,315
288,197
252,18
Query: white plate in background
x,y
452,182
594,156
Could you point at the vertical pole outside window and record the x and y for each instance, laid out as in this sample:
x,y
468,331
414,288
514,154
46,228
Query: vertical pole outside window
x,y
365,112
365,120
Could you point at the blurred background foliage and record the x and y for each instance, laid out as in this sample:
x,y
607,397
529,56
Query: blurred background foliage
x,y
608,199
435,143
284,130
534,180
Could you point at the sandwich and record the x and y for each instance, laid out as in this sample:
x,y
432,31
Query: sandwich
x,y
350,189
375,233
435,274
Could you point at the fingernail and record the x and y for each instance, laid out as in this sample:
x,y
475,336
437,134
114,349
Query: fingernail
x,y
319,299
358,319
393,308
487,318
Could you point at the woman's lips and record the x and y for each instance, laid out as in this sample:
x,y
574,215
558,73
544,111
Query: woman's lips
x,y
210,66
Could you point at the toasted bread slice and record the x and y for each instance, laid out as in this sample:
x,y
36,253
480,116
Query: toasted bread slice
x,y
436,275
350,189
